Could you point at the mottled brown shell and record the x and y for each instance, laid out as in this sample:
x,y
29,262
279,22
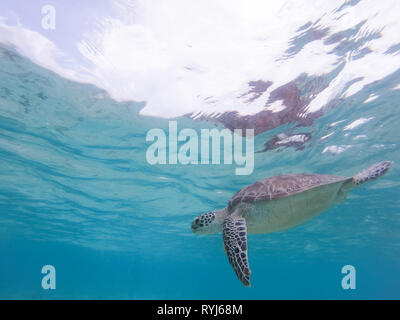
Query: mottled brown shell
x,y
281,186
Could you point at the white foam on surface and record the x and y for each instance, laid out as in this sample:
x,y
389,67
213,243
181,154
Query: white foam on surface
x,y
336,149
326,136
371,97
177,54
276,106
360,136
357,123
295,138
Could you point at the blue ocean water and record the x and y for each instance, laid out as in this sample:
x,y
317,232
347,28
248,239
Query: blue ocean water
x,y
76,192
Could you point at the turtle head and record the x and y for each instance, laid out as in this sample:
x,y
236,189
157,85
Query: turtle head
x,y
210,222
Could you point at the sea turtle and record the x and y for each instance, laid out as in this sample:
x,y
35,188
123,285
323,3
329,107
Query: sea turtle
x,y
276,204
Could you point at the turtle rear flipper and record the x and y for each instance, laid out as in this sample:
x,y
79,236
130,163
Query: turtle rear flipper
x,y
372,172
234,233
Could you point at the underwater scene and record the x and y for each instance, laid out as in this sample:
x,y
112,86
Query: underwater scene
x,y
123,122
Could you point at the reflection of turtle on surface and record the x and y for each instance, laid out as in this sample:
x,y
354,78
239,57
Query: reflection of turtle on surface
x,y
276,204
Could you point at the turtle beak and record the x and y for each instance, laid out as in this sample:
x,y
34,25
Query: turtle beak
x,y
194,226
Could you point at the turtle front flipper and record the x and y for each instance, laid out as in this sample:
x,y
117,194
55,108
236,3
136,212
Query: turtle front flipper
x,y
234,234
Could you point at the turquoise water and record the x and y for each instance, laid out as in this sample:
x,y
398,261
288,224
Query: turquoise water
x,y
76,192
